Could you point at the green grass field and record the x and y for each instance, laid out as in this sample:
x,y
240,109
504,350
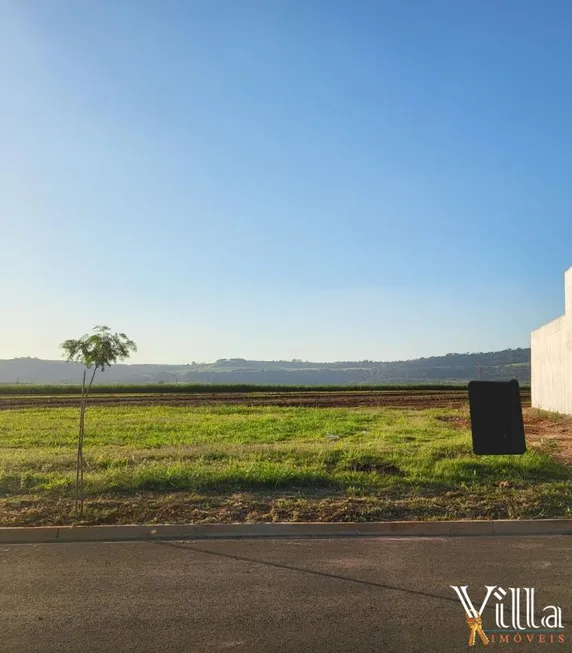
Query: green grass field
x,y
230,463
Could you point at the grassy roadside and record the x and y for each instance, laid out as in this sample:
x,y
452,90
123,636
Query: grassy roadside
x,y
236,463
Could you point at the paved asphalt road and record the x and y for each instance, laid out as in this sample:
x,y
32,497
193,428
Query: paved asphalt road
x,y
381,595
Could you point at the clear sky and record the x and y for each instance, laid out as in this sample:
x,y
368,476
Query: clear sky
x,y
283,179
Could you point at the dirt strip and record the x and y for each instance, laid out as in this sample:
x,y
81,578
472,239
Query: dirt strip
x,y
350,399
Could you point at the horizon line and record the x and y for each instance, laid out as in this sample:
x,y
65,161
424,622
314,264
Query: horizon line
x,y
277,360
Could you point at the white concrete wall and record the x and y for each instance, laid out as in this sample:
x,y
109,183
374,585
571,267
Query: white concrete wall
x,y
551,359
568,292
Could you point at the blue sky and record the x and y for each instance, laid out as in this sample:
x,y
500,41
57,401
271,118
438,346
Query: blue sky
x,y
321,180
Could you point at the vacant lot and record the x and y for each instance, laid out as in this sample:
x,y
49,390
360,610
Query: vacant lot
x,y
236,463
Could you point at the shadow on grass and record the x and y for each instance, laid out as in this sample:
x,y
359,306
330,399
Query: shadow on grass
x,y
534,467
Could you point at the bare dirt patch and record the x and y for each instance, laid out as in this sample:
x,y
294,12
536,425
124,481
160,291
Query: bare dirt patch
x,y
551,432
543,430
307,399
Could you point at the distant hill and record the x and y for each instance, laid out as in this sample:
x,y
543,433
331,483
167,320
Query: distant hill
x,y
451,368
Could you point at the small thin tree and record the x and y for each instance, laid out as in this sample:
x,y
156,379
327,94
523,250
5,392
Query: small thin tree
x,y
99,350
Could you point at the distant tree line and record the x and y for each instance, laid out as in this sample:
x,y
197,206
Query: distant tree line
x,y
450,368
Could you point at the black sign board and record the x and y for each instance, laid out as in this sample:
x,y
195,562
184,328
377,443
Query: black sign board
x,y
496,418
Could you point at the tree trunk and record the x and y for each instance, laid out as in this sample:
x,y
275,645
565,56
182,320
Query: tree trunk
x,y
79,465
85,393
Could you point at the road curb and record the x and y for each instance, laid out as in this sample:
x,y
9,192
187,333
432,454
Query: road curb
x,y
47,534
